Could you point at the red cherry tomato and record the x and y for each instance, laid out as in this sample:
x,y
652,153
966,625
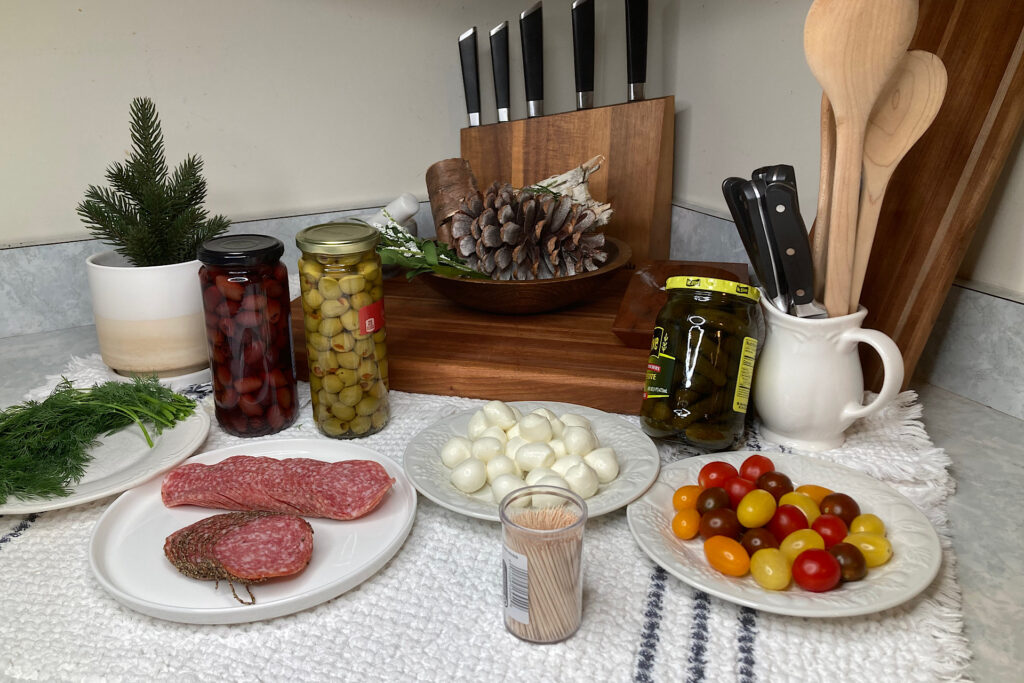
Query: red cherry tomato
x,y
832,529
816,570
715,473
754,466
737,487
787,519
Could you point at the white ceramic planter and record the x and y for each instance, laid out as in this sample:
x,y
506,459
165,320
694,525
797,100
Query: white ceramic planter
x,y
148,320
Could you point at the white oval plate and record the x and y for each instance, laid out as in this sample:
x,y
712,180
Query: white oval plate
x,y
123,460
916,550
638,461
126,549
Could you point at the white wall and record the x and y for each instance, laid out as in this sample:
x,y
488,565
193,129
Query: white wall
x,y
314,105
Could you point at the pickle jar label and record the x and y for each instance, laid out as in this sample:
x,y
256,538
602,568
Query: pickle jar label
x,y
660,366
745,375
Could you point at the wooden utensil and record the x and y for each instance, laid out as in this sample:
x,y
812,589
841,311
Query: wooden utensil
x,y
826,172
852,48
901,116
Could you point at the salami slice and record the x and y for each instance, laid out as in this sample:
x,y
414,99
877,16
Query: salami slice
x,y
336,490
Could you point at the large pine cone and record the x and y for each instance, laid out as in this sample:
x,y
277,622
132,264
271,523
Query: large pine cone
x,y
513,234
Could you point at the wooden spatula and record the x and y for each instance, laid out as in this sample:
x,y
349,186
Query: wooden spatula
x,y
826,172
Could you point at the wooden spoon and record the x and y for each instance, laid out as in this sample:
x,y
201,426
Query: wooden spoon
x,y
819,231
902,114
853,48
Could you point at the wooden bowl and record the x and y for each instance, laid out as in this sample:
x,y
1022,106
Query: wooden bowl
x,y
530,296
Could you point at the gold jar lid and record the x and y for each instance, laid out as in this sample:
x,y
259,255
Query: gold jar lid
x,y
335,239
714,285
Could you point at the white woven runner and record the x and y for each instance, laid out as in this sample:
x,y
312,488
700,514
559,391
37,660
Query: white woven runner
x,y
433,613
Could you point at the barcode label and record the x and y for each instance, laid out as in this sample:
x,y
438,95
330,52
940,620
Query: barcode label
x,y
745,375
515,574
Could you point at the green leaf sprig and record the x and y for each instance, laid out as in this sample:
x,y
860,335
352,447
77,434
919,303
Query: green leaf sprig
x,y
397,247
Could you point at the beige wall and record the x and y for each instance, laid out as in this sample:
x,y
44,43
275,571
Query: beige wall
x,y
313,105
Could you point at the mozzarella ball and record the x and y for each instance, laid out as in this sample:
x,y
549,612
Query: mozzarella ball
x,y
469,475
545,412
530,456
506,484
477,425
534,476
486,448
604,463
558,446
518,413
578,440
500,414
484,494
513,446
563,464
499,466
457,449
582,480
535,428
557,427
546,500
495,432
513,431
574,420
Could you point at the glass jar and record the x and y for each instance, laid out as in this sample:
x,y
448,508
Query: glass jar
x,y
701,365
249,333
343,304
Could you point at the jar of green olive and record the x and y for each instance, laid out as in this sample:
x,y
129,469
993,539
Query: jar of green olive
x,y
699,373
343,306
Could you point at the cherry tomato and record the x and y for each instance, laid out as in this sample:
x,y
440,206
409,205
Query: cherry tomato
x,y
868,524
754,466
832,529
840,505
775,483
770,569
816,570
876,549
756,509
712,499
686,523
786,520
715,473
758,539
685,497
851,561
814,491
720,522
737,487
804,502
727,555
799,541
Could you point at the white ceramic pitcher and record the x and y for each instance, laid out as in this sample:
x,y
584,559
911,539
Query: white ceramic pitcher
x,y
808,382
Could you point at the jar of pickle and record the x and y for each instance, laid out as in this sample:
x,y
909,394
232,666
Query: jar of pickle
x,y
701,366
249,333
343,304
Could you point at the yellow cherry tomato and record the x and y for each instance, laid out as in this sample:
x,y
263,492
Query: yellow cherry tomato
x,y
876,548
756,509
815,492
770,569
867,524
799,541
727,555
685,497
686,523
804,502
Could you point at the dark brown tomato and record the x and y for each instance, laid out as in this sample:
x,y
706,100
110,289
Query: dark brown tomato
x,y
712,499
775,483
758,539
852,565
840,505
720,522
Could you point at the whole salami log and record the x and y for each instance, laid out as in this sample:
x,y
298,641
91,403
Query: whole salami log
x,y
242,547
337,490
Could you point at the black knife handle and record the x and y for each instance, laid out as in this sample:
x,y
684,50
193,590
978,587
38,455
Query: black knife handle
x,y
470,75
774,281
583,44
499,64
732,189
791,241
636,41
531,31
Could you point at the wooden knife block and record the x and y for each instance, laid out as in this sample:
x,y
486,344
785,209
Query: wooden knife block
x,y
637,140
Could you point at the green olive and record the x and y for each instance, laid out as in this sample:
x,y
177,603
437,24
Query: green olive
x,y
329,288
332,383
343,412
313,298
312,322
333,427
361,300
350,396
369,269
343,342
327,360
377,293
348,377
360,424
333,308
329,327
348,360
350,284
377,390
350,320
318,341
367,405
315,384
380,335
379,418
310,269
364,347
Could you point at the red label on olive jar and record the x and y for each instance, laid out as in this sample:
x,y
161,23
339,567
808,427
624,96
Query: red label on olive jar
x,y
371,318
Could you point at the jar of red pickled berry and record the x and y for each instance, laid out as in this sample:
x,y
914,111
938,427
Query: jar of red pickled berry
x,y
248,330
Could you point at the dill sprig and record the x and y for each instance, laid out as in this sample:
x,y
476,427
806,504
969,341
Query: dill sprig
x,y
44,444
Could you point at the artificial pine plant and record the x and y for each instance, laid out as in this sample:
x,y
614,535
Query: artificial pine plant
x,y
149,216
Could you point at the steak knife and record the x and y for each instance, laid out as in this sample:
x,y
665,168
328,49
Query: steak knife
x,y
636,48
531,32
499,65
793,249
583,51
470,75
774,281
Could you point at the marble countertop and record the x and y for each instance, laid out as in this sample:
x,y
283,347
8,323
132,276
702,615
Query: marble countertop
x,y
986,448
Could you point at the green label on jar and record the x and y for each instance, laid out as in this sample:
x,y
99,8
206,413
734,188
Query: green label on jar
x,y
660,365
745,376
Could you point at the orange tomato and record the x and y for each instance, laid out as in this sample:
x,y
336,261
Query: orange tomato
x,y
814,492
727,555
686,523
685,497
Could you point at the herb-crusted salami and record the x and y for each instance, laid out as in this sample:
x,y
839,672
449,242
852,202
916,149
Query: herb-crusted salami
x,y
337,490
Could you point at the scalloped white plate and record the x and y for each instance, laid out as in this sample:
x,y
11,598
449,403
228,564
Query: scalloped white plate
x,y
123,460
638,461
916,550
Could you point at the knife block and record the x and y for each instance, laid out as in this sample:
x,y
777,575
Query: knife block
x,y
637,140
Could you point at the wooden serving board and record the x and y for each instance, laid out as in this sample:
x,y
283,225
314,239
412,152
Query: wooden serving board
x,y
637,140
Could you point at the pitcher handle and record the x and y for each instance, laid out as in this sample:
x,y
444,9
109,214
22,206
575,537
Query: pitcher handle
x,y
892,365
